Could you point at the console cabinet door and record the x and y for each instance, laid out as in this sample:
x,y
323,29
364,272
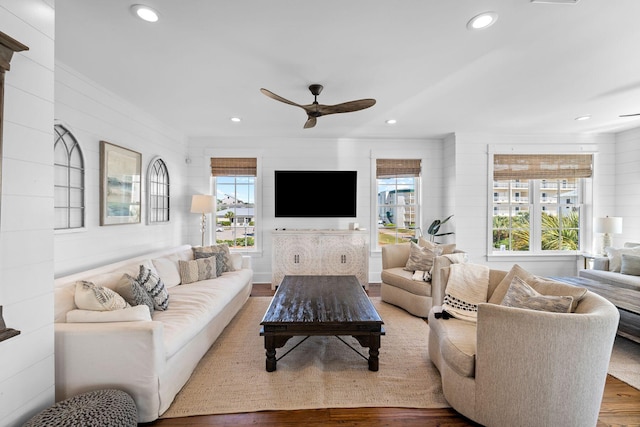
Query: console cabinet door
x,y
345,255
294,255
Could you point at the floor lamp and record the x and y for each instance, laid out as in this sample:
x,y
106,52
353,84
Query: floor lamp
x,y
202,204
608,225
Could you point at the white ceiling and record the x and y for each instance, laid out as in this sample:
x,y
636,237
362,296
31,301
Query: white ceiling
x,y
534,71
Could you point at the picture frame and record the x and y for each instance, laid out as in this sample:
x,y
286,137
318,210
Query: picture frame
x,y
120,185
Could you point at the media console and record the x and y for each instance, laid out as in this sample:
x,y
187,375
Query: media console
x,y
320,252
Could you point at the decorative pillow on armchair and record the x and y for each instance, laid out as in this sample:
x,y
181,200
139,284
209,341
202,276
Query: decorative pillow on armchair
x,y
521,295
421,258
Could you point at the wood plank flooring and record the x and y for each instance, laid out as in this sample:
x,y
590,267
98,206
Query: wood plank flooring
x,y
620,407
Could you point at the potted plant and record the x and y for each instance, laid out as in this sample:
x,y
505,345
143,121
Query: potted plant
x,y
434,228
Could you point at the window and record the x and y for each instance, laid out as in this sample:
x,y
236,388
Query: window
x,y
397,207
235,189
68,180
539,202
158,192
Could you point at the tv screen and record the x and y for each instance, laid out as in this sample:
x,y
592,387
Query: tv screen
x,y
315,194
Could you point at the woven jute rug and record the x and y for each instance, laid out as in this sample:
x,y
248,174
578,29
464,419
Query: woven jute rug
x,y
322,372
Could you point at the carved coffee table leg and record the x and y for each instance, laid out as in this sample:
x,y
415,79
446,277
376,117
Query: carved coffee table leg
x,y
270,346
374,347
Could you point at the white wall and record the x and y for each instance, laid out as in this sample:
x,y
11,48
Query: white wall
x,y
92,113
315,154
26,237
627,188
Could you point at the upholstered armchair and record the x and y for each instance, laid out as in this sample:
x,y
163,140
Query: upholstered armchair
x,y
523,367
398,287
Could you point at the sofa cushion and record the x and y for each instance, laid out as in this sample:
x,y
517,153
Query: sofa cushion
x,y
421,258
521,295
89,296
154,286
615,256
197,269
133,292
457,340
501,290
128,314
222,254
630,264
553,287
401,278
167,269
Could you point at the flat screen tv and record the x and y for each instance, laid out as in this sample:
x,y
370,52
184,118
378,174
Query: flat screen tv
x,y
315,194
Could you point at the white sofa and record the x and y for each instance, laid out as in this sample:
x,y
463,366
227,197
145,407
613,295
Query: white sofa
x,y
153,359
609,269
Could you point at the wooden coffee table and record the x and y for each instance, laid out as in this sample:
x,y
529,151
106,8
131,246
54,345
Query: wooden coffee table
x,y
321,305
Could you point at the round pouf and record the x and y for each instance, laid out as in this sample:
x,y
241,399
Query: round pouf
x,y
96,408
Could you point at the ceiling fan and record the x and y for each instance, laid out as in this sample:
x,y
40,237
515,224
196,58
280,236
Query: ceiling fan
x,y
316,110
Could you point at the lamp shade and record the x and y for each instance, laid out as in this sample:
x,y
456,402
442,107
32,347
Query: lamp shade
x,y
609,225
202,203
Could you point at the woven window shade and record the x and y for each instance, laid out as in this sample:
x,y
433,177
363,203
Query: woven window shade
x,y
387,168
233,166
542,166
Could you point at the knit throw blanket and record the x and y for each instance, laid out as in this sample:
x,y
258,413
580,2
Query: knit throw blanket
x,y
466,288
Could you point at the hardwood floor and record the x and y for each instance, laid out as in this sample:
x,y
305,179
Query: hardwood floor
x,y
620,407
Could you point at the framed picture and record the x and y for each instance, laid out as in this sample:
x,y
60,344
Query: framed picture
x,y
120,185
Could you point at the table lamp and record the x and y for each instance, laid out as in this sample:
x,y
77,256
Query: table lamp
x,y
202,204
608,225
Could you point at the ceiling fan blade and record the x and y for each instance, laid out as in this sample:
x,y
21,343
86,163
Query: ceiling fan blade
x,y
630,115
345,107
311,122
279,98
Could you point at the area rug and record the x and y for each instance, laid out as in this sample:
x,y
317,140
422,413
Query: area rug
x,y
625,361
322,372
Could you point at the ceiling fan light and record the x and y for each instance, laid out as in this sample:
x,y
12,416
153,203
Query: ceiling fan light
x,y
145,13
582,118
483,20
391,121
236,119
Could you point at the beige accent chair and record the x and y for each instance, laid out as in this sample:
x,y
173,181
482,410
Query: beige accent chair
x,y
398,287
519,367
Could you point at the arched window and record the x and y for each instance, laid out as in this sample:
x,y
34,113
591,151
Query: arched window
x,y
68,180
158,191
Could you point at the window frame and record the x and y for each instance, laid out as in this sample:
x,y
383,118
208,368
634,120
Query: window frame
x,y
83,188
585,201
256,196
417,185
150,195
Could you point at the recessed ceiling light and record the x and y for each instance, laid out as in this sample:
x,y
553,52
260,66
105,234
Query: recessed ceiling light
x,y
391,121
236,119
484,20
145,12
581,118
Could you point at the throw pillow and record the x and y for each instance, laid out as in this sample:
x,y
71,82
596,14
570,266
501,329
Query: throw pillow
x,y
553,287
167,268
154,286
196,270
501,290
129,314
446,248
133,292
521,295
615,256
222,254
421,258
88,296
630,264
